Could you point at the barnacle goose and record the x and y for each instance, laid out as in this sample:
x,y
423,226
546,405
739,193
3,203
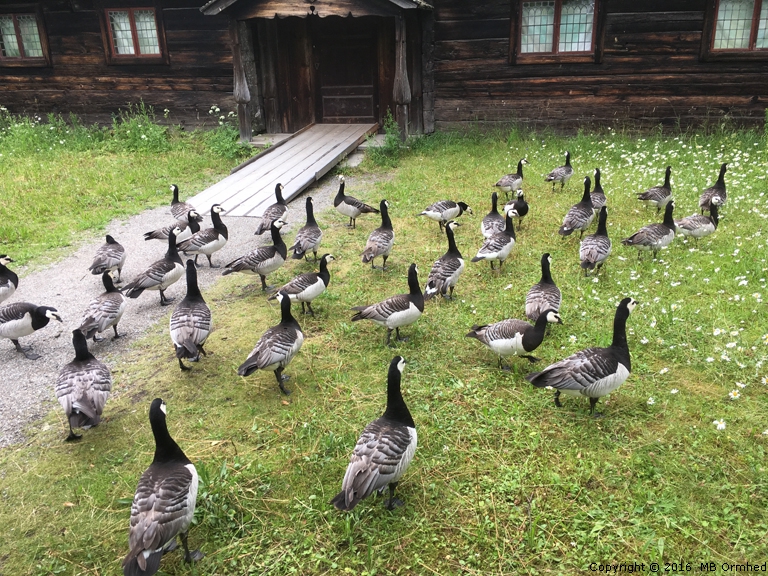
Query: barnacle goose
x,y
308,237
498,246
594,372
446,270
110,256
306,287
263,260
349,206
276,211
699,225
492,222
83,387
277,346
444,210
717,189
209,240
191,321
180,210
596,248
9,281
514,337
520,206
396,311
543,295
103,311
512,182
381,240
580,216
22,319
187,229
654,236
160,274
384,450
164,503
561,174
597,195
658,196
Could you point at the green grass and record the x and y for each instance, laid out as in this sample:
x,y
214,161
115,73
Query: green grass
x,y
502,482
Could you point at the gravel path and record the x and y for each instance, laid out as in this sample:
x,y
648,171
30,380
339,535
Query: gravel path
x,y
26,388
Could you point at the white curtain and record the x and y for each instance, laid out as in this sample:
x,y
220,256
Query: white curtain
x,y
576,21
762,27
734,24
8,37
30,36
121,32
538,27
146,31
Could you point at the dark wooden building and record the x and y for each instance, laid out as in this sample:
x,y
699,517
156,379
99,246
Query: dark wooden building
x,y
435,64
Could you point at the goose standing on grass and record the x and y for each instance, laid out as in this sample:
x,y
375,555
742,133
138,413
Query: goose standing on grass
x,y
350,206
594,372
306,287
9,281
263,260
544,295
654,236
514,337
164,503
446,270
381,240
276,211
187,229
699,225
520,206
277,346
309,236
180,210
580,216
110,256
104,311
160,274
658,196
22,319
597,195
191,321
396,311
512,182
498,246
561,174
493,222
596,248
716,190
384,450
209,240
83,387
444,210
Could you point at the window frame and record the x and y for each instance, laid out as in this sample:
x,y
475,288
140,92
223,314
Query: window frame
x,y
43,61
709,53
595,55
108,38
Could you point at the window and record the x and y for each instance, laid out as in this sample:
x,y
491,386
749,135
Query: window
x,y
133,32
21,42
741,25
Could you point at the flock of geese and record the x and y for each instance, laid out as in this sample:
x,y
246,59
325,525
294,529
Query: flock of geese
x,y
164,502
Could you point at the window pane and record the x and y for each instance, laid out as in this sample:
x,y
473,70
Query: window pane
x,y
8,38
576,21
147,31
121,32
762,27
538,27
30,36
734,23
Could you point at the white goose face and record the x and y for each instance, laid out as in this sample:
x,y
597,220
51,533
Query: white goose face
x,y
193,215
174,188
341,177
217,208
281,187
280,296
4,260
53,315
549,259
554,318
330,258
163,407
176,230
520,193
386,203
452,224
717,201
511,212
524,161
631,304
401,364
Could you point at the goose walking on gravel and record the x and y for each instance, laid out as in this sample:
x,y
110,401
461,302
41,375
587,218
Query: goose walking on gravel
x,y
492,222
658,196
9,281
596,248
110,256
717,190
20,319
188,227
561,174
396,311
654,236
306,287
514,337
104,311
384,450
180,210
512,182
309,236
520,206
263,260
594,372
164,503
699,225
543,295
209,240
276,211
381,240
446,270
83,387
597,195
277,346
498,246
160,275
581,214
350,206
444,210
191,321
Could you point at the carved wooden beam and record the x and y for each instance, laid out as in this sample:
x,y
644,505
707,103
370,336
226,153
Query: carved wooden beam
x,y
401,92
241,92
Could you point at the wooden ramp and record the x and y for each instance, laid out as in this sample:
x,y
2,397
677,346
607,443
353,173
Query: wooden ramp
x,y
296,162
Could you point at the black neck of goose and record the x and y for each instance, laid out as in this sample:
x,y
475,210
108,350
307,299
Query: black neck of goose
x,y
714,216
494,203
279,194
166,449
109,285
509,228
340,194
110,240
598,187
285,312
667,175
193,289
546,274
10,274
324,273
452,248
194,225
81,346
172,253
218,225
39,319
721,178
567,158
413,281
385,220
533,337
520,168
277,240
396,408
311,214
602,228
586,197
175,195
620,330
669,222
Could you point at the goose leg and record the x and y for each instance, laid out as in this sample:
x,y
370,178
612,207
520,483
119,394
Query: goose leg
x,y
164,300
531,359
557,399
210,264
280,379
264,287
193,556
72,436
389,336
97,338
196,265
114,327
309,308
384,264
315,253
400,338
393,502
26,350
592,404
503,366
182,366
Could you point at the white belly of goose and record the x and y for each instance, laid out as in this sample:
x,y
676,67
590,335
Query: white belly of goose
x,y
659,242
15,329
453,279
309,293
169,278
603,386
6,291
209,248
508,346
501,253
292,351
401,318
269,265
348,210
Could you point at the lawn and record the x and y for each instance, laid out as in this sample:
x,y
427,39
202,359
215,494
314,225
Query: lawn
x,y
502,482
